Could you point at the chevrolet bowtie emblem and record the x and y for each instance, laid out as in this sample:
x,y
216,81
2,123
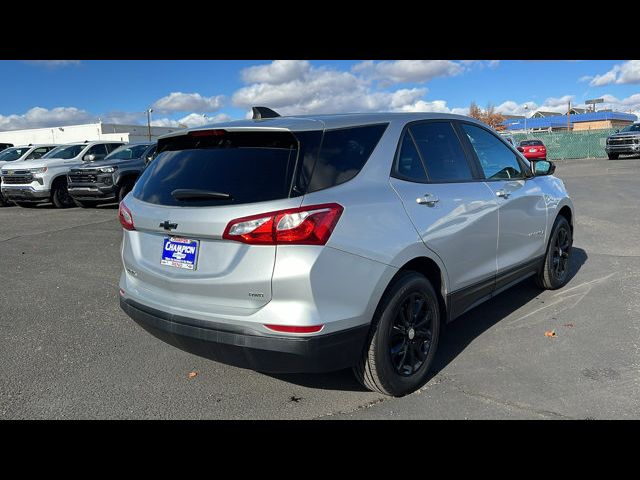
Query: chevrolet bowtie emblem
x,y
168,226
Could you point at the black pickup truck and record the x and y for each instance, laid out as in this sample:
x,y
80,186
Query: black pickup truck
x,y
109,180
625,142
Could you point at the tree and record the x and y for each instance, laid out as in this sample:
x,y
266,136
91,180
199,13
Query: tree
x,y
488,116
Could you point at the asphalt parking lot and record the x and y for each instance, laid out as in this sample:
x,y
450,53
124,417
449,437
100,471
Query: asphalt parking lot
x,y
67,351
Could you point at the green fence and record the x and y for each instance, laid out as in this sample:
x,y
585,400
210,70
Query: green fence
x,y
563,145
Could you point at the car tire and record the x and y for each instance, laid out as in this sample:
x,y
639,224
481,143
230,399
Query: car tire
x,y
613,156
555,270
124,189
85,203
403,338
60,196
3,202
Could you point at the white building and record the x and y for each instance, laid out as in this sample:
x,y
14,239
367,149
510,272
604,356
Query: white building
x,y
80,133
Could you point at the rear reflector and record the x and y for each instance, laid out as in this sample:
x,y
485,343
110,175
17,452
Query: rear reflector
x,y
126,219
311,225
295,329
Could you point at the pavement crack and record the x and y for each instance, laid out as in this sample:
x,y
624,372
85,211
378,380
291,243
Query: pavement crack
x,y
434,381
359,407
508,403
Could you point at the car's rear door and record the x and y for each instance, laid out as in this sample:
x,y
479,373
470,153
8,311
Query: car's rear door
x,y
452,209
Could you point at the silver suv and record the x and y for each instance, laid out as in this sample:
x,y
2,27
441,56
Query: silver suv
x,y
307,244
45,179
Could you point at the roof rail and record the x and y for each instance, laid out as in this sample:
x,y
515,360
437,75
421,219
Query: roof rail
x,y
263,112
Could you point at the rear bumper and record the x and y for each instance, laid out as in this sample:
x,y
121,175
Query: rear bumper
x,y
536,156
236,346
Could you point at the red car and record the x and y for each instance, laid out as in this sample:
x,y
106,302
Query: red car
x,y
533,149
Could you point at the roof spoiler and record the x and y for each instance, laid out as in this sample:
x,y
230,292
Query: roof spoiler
x,y
263,112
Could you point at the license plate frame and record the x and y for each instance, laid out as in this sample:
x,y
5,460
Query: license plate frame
x,y
180,255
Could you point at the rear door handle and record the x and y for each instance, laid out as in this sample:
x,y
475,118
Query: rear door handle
x,y
502,193
428,200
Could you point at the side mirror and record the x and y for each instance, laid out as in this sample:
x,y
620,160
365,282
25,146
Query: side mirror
x,y
520,149
89,158
543,167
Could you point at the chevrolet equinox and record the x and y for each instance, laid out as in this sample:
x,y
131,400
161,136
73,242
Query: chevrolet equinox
x,y
315,243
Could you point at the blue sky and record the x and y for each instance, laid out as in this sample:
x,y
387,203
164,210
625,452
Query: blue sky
x,y
52,93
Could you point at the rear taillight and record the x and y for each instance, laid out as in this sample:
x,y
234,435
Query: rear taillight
x,y
126,219
310,225
295,329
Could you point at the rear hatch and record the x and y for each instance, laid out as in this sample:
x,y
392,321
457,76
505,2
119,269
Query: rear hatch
x,y
185,199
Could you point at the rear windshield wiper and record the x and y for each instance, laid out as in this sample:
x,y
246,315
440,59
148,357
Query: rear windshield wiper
x,y
193,194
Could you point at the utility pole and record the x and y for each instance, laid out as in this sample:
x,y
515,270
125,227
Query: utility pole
x,y
149,110
569,116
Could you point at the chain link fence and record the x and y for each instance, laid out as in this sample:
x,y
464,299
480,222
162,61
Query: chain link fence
x,y
564,145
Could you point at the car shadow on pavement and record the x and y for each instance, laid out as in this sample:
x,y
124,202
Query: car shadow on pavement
x,y
455,336
460,333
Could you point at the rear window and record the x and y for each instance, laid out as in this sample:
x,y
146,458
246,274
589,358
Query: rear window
x,y
250,167
531,143
254,166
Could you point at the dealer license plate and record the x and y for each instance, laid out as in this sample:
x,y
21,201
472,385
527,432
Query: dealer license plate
x,y
180,253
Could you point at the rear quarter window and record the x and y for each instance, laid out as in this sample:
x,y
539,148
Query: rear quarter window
x,y
343,154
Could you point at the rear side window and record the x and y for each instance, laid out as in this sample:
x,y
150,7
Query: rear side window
x,y
441,152
409,165
343,154
248,166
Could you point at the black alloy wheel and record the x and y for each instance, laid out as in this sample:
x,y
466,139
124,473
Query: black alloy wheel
x,y
411,334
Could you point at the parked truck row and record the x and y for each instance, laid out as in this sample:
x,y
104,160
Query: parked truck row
x,y
83,173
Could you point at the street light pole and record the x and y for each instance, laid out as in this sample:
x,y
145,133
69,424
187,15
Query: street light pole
x,y
149,110
526,107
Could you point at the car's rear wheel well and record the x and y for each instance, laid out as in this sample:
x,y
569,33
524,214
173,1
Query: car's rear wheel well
x,y
431,270
566,213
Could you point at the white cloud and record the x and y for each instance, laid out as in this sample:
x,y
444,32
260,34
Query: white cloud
x,y
407,71
191,120
631,104
38,117
278,71
424,106
327,90
188,102
551,104
52,63
622,73
558,102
